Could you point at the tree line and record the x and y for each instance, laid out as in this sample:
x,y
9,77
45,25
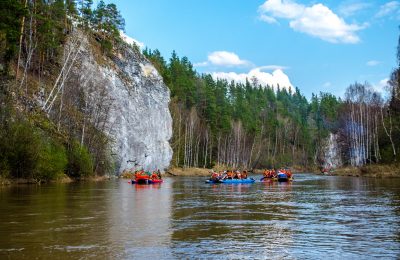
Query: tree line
x,y
246,125
51,123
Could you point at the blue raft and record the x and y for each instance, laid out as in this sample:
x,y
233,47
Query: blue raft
x,y
232,181
282,177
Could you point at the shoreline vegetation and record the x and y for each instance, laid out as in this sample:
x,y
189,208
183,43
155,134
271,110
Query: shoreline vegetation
x,y
374,171
62,179
50,127
370,171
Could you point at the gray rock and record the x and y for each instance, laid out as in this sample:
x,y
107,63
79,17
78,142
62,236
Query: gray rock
x,y
140,122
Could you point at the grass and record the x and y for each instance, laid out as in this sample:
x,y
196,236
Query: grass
x,y
375,170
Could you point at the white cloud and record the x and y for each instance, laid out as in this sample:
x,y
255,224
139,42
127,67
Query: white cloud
x,y
268,19
316,20
372,63
388,9
321,22
273,67
351,9
282,9
277,77
327,84
201,64
381,85
130,40
225,58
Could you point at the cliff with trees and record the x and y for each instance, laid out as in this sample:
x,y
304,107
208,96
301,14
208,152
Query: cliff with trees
x,y
75,98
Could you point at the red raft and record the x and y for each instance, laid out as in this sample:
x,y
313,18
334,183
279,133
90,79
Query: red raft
x,y
144,179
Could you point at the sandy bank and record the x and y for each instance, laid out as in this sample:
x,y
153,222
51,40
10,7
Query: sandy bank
x,y
376,171
188,172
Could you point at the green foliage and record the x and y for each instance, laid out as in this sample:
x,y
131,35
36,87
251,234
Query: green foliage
x,y
29,153
289,128
52,161
107,21
80,163
11,12
294,128
106,46
22,145
85,10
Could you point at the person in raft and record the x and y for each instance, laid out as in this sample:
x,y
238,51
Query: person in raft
x,y
154,176
228,175
288,173
139,173
265,174
237,175
244,174
215,176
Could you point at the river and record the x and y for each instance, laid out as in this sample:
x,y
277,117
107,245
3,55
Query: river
x,y
313,217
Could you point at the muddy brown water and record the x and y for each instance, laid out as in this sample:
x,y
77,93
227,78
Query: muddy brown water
x,y
313,217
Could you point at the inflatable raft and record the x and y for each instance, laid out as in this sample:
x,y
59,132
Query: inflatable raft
x,y
282,177
265,179
145,180
232,181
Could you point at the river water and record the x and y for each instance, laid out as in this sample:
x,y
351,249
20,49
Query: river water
x,y
184,218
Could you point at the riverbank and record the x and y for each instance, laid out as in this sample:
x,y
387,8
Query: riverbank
x,y
61,179
177,171
294,169
376,171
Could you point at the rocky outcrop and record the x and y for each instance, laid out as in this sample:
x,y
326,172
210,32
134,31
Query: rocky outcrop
x,y
331,153
139,120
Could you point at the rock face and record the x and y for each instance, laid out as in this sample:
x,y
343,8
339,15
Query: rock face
x,y
332,155
139,122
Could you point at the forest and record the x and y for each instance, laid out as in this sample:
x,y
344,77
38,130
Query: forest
x,y
47,129
250,126
215,122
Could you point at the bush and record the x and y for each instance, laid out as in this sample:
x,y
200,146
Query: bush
x,y
52,161
21,143
106,46
4,168
26,152
80,163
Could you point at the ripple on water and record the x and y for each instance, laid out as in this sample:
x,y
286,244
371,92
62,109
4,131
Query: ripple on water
x,y
312,218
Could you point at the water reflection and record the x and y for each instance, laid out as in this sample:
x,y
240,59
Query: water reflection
x,y
310,218
100,220
238,219
140,219
37,221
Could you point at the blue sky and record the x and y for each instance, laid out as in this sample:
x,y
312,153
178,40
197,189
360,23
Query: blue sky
x,y
313,45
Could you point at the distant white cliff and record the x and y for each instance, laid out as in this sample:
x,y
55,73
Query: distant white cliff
x,y
139,122
332,154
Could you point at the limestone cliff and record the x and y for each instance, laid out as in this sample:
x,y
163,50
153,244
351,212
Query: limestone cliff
x,y
139,121
332,153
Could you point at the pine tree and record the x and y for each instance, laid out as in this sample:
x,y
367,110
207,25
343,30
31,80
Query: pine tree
x,y
11,12
85,10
